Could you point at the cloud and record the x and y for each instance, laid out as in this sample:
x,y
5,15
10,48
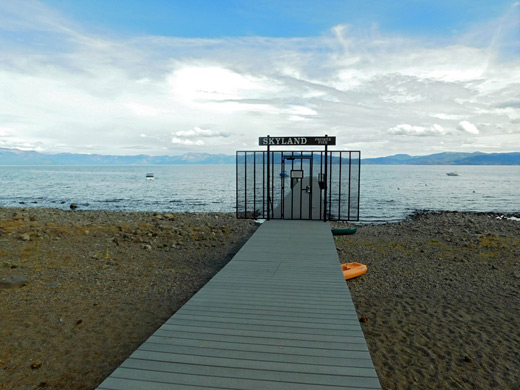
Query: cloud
x,y
513,104
74,90
143,110
447,116
409,130
194,136
4,132
202,82
198,132
468,127
187,142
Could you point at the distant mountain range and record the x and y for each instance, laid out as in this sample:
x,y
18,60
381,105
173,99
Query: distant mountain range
x,y
448,158
21,157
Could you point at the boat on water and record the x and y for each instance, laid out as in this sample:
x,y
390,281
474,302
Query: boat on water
x,y
149,176
453,173
284,174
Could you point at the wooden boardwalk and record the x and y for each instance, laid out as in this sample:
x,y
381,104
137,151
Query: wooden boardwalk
x,y
299,203
278,316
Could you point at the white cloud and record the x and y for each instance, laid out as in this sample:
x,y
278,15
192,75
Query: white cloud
x,y
448,117
468,127
5,132
438,129
198,132
194,137
203,83
74,90
187,142
143,109
409,130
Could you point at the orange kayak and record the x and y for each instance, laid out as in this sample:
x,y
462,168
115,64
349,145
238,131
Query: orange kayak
x,y
351,270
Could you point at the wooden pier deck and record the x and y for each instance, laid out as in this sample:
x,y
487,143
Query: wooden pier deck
x,y
299,203
279,315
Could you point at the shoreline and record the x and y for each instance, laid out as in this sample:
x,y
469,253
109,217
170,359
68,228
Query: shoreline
x,y
438,305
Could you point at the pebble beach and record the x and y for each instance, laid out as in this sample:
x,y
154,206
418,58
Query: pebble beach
x,y
81,290
440,303
95,285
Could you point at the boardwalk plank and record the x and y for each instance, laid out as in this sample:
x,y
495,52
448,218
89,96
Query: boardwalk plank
x,y
130,379
249,364
278,316
186,319
210,310
277,356
250,346
276,333
281,340
164,371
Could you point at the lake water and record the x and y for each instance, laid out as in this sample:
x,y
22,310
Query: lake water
x,y
388,192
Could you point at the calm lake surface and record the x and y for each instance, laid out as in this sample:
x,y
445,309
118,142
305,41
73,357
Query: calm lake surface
x,y
388,192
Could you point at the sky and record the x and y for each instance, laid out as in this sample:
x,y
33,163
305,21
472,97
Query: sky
x,y
167,77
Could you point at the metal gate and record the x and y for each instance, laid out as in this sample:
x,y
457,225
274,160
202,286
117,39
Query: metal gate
x,y
313,185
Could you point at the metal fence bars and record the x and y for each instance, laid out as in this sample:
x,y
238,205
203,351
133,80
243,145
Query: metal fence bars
x,y
313,185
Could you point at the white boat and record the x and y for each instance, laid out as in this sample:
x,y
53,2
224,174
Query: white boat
x,y
453,174
149,176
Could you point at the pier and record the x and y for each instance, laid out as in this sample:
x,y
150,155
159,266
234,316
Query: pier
x,y
302,202
279,315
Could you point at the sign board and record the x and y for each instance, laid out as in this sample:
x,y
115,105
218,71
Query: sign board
x,y
296,174
291,141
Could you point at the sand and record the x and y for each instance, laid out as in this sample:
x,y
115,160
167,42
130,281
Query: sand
x,y
440,304
98,285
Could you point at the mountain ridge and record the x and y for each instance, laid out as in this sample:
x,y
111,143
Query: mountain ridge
x,y
448,158
22,157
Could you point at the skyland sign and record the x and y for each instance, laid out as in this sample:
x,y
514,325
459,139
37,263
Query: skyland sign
x,y
282,141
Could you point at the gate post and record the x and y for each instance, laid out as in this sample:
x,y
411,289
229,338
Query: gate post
x,y
325,188
268,180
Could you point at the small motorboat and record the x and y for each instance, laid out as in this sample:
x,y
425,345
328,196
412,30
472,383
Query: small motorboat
x,y
284,174
453,173
149,176
352,270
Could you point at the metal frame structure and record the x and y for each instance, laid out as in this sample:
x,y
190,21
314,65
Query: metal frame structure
x,y
332,184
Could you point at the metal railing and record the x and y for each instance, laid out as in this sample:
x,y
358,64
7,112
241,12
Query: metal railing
x,y
314,185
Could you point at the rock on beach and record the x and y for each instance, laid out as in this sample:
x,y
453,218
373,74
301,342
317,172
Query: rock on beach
x,y
13,282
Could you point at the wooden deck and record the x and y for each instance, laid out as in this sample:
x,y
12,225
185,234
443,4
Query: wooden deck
x,y
278,316
300,203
